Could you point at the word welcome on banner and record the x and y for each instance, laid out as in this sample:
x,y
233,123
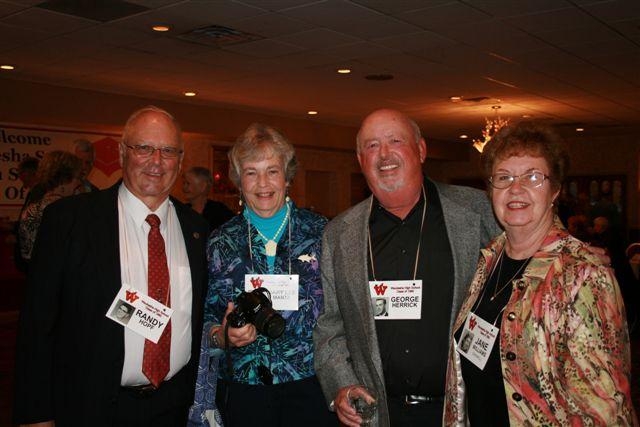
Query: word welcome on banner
x,y
19,142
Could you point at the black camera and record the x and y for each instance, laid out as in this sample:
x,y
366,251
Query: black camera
x,y
255,307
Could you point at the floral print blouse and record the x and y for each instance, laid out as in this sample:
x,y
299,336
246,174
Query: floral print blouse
x,y
30,222
565,324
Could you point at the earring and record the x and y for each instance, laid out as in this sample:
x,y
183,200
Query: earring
x,y
240,203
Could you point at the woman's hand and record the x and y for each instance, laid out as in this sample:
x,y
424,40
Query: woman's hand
x,y
238,337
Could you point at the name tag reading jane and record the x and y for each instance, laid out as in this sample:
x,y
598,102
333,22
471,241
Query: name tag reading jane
x,y
476,340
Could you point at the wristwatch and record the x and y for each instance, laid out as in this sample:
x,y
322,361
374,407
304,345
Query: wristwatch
x,y
213,337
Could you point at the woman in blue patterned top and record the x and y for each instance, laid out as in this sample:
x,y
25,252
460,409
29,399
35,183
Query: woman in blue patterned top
x,y
275,245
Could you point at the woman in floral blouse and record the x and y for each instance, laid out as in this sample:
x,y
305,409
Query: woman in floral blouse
x,y
265,378
549,344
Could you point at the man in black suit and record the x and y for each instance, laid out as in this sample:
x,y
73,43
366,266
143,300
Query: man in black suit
x,y
77,367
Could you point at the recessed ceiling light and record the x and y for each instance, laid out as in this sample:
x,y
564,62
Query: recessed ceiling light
x,y
464,136
7,67
526,116
189,94
344,71
579,129
456,98
161,28
312,112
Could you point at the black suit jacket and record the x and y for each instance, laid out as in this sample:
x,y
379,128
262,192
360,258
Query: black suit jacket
x,y
69,356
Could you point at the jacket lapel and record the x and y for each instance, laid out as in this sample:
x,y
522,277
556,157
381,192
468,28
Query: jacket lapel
x,y
354,245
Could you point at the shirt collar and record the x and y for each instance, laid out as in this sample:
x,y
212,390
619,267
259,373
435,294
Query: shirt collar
x,y
138,211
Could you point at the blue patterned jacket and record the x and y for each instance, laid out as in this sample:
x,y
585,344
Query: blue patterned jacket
x,y
290,357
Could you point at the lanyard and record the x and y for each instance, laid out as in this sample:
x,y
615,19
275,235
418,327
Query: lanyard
x,y
415,267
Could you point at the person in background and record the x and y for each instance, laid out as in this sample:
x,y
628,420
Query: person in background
x,y
274,245
605,237
59,175
410,229
196,185
557,350
85,152
27,169
74,365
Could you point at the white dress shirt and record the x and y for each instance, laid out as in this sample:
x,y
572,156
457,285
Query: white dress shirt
x,y
133,235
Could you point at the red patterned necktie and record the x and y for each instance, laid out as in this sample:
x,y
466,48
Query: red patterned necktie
x,y
155,363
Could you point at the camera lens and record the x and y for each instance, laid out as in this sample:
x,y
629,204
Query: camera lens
x,y
269,323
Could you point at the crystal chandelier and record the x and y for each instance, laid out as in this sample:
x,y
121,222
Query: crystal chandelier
x,y
491,127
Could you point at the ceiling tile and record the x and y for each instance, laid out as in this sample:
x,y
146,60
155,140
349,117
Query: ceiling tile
x,y
318,38
269,25
263,48
448,15
350,19
47,21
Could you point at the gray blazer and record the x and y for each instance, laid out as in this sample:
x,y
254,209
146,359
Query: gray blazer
x,y
346,347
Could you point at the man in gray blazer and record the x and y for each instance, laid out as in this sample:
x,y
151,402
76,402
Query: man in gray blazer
x,y
413,232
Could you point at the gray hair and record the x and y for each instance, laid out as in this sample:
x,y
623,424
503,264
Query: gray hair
x,y
84,146
257,143
203,174
417,134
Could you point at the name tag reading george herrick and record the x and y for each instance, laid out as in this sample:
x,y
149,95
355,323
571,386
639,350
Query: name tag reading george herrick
x,y
282,287
139,312
396,299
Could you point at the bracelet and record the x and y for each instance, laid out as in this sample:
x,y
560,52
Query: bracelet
x,y
213,338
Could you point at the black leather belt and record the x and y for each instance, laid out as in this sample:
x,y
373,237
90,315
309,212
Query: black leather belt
x,y
141,390
416,399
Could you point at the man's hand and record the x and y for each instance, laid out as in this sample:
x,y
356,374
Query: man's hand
x,y
342,404
238,337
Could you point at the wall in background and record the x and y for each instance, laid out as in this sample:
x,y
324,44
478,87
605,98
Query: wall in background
x,y
326,151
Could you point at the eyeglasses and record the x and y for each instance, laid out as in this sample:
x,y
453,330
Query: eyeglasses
x,y
148,150
530,180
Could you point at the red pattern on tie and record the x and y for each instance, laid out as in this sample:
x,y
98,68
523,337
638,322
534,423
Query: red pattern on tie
x,y
155,362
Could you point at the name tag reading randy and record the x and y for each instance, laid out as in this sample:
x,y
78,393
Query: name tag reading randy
x,y
476,340
282,287
396,299
139,312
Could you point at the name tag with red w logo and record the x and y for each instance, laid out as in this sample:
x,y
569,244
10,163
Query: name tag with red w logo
x,y
396,299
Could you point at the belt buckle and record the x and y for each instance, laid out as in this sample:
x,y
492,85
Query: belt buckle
x,y
414,399
143,390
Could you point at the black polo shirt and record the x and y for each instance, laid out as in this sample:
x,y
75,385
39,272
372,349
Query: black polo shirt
x,y
414,352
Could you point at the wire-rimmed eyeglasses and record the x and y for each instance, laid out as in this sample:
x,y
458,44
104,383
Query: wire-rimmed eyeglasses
x,y
148,150
530,180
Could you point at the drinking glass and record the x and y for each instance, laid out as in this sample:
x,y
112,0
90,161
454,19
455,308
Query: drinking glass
x,y
367,411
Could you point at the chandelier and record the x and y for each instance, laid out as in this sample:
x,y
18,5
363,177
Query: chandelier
x,y
492,126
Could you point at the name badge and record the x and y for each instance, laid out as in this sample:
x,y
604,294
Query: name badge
x,y
139,312
396,299
477,340
282,287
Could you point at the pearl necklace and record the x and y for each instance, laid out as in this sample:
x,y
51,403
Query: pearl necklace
x,y
270,245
